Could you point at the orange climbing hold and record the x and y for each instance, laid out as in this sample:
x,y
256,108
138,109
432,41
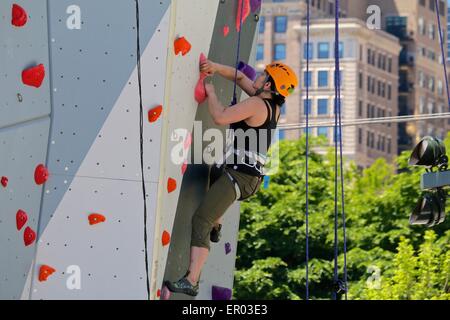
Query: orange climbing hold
x,y
45,272
19,16
182,45
165,238
226,30
200,91
96,218
41,175
171,185
34,76
242,12
4,181
21,219
29,236
154,114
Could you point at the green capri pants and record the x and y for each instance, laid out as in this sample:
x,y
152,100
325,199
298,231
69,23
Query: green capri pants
x,y
220,196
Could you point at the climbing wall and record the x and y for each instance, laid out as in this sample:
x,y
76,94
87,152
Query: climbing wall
x,y
73,224
218,274
24,128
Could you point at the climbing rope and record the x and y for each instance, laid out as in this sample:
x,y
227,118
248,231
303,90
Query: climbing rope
x,y
241,17
308,22
141,127
442,49
340,286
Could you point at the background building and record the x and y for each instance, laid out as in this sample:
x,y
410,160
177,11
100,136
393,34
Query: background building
x,y
396,80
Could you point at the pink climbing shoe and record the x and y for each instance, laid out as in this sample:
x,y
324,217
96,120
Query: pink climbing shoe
x,y
200,92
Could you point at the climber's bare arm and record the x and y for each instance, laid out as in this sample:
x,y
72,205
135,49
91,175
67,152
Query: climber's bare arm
x,y
229,73
251,108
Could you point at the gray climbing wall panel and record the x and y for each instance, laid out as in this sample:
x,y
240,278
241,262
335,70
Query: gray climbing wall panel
x,y
83,123
24,129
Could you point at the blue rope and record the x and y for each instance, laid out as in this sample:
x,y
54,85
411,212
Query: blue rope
x,y
338,116
308,22
238,53
442,50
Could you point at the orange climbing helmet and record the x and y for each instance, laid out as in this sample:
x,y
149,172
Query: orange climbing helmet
x,y
284,77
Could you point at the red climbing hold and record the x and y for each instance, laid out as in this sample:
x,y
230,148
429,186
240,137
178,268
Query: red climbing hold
x,y
242,12
21,219
158,293
4,182
29,236
45,272
165,238
19,16
154,114
34,76
226,30
41,175
96,218
171,185
182,45
200,91
184,168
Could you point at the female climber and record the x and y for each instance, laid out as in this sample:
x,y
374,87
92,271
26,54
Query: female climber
x,y
239,176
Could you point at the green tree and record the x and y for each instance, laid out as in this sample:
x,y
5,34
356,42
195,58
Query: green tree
x,y
378,202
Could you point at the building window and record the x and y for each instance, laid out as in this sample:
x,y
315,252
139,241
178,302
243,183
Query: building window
x,y
341,50
323,131
390,65
324,50
389,92
440,88
336,134
262,24
360,136
389,145
369,85
260,52
432,5
307,106
397,26
279,52
360,108
341,79
368,110
323,79
307,46
431,31
280,24
421,25
322,106
361,80
307,78
369,56
431,84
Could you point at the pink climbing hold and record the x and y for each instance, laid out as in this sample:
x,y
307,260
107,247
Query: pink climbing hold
x,y
41,175
19,16
29,236
21,219
184,168
243,13
200,92
220,293
34,76
4,182
226,30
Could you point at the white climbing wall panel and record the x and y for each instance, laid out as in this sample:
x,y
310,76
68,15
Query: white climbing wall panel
x,y
83,124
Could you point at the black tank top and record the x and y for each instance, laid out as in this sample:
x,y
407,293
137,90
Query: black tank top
x,y
250,141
